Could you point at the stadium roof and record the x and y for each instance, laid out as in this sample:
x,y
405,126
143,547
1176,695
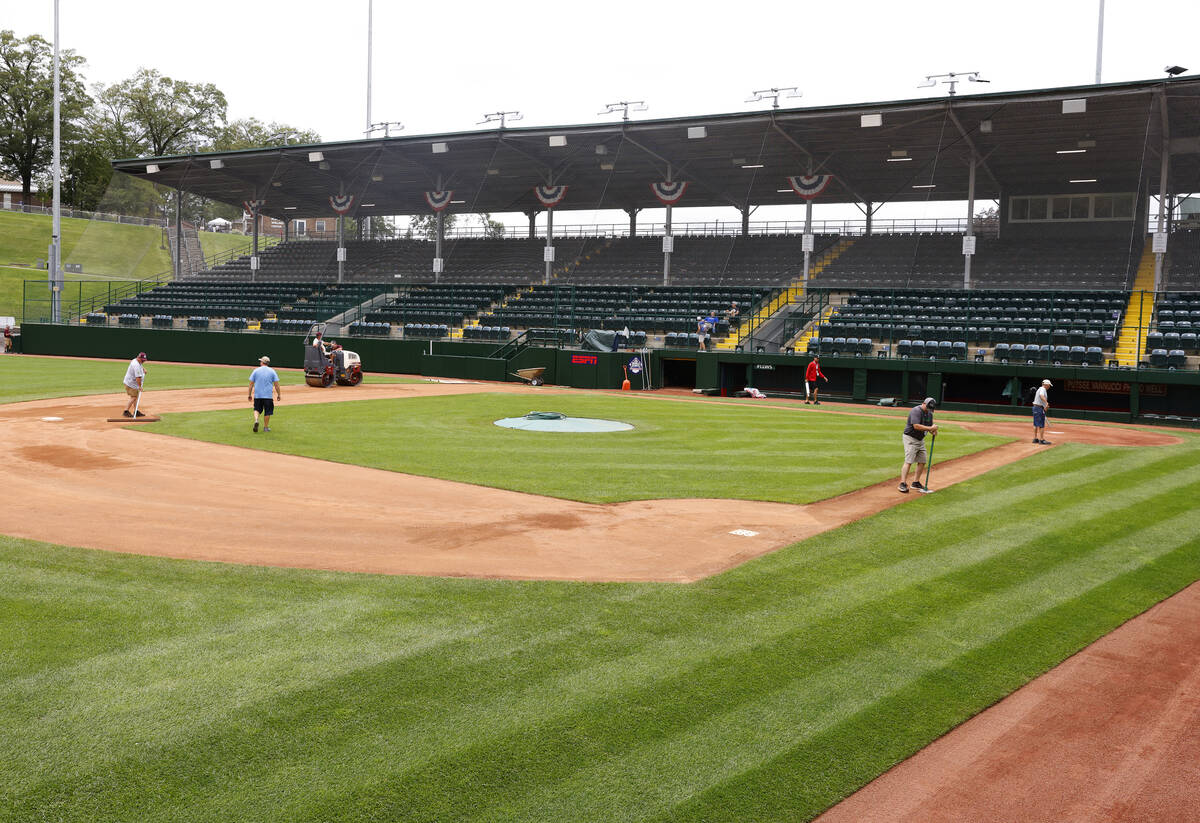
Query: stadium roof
x,y
1020,140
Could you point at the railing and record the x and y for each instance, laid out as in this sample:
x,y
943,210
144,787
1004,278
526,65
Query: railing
x,y
77,298
107,217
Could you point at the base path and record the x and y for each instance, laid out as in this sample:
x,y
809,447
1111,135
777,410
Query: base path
x,y
1108,735
102,485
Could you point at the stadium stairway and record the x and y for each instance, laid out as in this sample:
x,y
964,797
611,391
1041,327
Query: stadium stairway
x,y
1136,320
794,292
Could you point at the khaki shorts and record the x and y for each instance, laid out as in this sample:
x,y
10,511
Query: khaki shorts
x,y
914,450
131,391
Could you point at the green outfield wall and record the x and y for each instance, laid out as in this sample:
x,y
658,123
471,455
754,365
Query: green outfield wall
x,y
1099,393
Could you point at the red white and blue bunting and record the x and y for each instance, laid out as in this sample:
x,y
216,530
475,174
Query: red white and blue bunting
x,y
809,186
341,203
253,207
438,200
550,196
669,193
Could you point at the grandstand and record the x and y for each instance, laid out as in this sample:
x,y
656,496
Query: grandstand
x,y
1062,280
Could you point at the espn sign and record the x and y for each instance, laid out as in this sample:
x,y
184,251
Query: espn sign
x,y
584,359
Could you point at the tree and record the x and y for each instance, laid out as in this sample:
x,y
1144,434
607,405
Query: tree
x,y
492,229
252,133
424,226
987,221
152,115
27,105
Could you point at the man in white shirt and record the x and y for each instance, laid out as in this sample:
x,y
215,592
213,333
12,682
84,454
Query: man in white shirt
x,y
1041,405
134,376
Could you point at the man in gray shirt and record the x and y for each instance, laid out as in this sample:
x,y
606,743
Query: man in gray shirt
x,y
920,421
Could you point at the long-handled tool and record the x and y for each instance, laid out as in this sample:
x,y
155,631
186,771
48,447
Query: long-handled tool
x,y
929,468
135,418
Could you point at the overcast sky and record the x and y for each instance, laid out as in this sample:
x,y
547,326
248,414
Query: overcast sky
x,y
439,66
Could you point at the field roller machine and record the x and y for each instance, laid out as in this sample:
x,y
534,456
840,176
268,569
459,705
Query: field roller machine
x,y
327,364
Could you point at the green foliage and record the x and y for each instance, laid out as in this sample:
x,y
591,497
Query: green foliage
x,y
135,688
27,104
708,450
424,226
149,114
492,229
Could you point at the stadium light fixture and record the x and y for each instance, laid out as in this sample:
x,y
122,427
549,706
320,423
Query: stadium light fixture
x,y
368,205
452,202
316,157
752,165
1071,151
1084,180
558,140
1174,71
376,178
608,165
773,94
440,148
151,168
898,160
697,132
289,208
925,186
385,127
493,171
501,117
870,121
281,136
624,106
216,164
951,79
783,191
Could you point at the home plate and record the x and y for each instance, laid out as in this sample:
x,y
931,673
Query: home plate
x,y
52,419
744,532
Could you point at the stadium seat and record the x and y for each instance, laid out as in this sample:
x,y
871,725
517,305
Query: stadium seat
x,y
1176,359
1093,356
945,349
1001,352
904,348
1060,355
1158,358
1077,355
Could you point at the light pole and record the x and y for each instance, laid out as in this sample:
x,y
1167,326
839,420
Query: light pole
x,y
501,116
773,94
385,127
53,267
951,79
624,106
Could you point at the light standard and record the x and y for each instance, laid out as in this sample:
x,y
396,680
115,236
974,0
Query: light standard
x,y
501,116
773,94
624,106
385,127
951,79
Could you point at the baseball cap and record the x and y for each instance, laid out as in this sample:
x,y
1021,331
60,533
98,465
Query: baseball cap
x,y
265,359
142,356
929,401
1047,383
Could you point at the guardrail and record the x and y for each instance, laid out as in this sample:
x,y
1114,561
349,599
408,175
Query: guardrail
x,y
107,217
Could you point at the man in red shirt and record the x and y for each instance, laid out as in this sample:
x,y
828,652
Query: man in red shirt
x,y
810,381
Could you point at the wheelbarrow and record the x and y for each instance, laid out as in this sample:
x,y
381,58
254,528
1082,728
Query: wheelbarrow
x,y
532,376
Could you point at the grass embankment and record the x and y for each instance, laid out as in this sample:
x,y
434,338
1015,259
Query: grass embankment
x,y
142,689
707,450
107,251
30,378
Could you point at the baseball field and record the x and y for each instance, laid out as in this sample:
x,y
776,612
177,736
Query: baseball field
x,y
390,609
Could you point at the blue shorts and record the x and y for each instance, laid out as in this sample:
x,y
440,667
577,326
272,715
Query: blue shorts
x,y
1039,417
264,405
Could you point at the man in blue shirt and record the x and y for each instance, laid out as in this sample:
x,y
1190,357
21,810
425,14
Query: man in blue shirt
x,y
262,380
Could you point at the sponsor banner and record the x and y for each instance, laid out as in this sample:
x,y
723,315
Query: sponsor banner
x,y
635,365
668,193
584,359
809,186
438,200
550,196
1114,387
341,203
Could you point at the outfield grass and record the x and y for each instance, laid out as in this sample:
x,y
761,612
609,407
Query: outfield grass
x,y
27,377
144,689
676,449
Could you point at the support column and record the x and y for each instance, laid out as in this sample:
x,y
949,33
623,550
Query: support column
x,y
1164,169
808,243
969,238
668,247
549,253
746,222
438,236
254,246
178,233
632,221
870,214
341,252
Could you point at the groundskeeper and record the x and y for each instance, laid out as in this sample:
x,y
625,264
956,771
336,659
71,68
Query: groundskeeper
x,y
920,422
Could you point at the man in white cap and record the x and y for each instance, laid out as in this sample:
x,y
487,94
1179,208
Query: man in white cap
x,y
134,376
1041,405
262,380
